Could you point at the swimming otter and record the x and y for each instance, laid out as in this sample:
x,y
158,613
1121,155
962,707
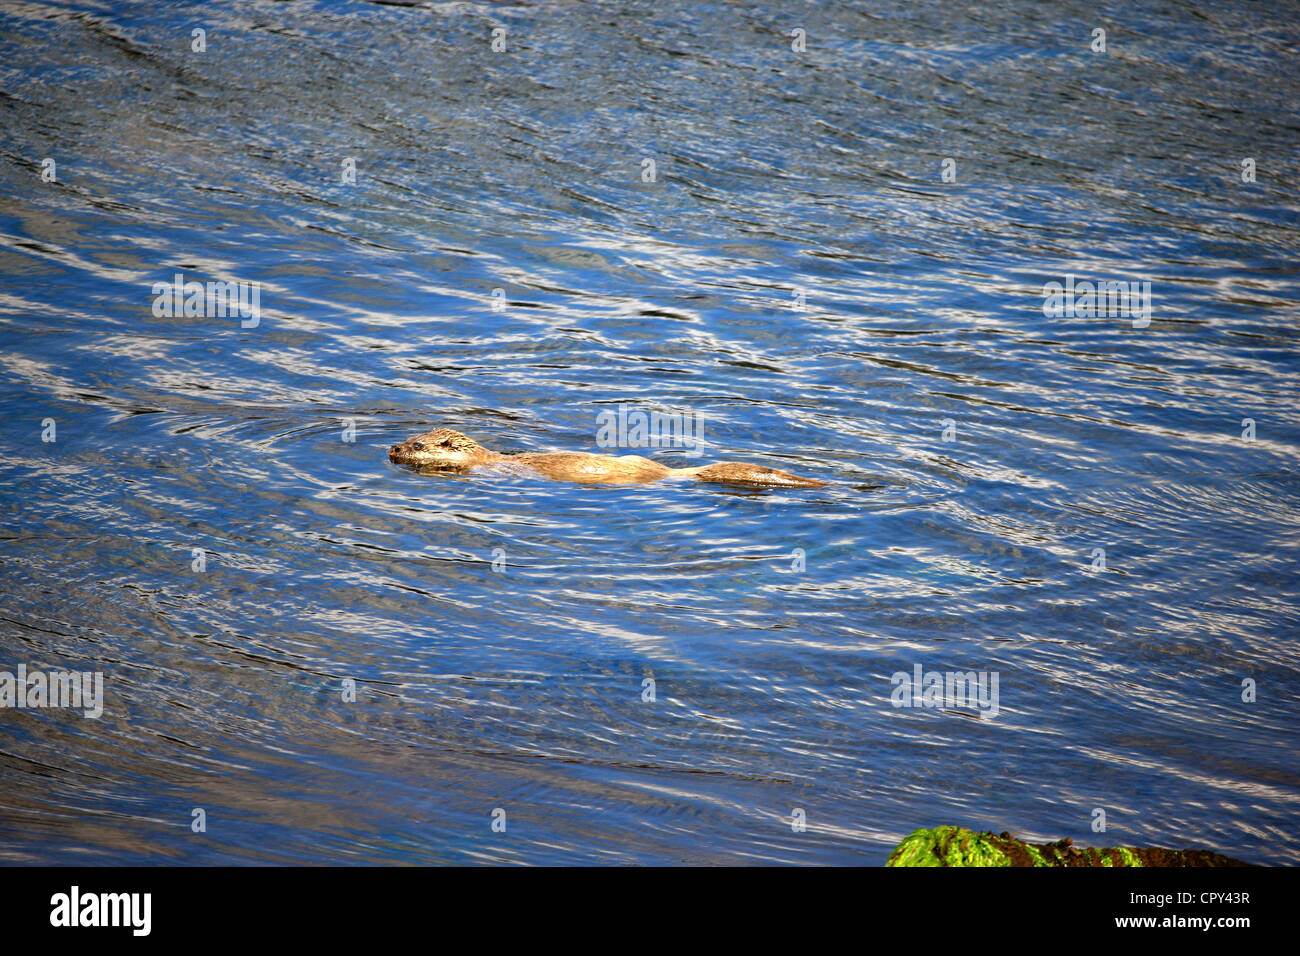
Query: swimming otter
x,y
446,450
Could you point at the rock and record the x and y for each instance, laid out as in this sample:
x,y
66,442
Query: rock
x,y
956,846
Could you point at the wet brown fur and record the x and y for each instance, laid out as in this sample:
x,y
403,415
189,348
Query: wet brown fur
x,y
445,450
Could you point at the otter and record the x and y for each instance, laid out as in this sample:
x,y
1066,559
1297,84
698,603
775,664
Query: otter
x,y
445,450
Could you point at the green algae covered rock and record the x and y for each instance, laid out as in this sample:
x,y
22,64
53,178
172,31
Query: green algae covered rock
x,y
957,846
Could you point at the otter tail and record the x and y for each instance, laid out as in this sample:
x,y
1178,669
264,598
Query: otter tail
x,y
749,476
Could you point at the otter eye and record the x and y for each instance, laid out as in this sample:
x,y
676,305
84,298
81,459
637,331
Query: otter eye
x,y
418,445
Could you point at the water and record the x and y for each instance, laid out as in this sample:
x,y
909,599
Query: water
x,y
777,174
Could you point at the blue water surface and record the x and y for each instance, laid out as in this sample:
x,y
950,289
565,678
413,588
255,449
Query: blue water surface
x,y
1102,511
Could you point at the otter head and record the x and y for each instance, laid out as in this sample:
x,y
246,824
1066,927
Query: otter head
x,y
440,448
